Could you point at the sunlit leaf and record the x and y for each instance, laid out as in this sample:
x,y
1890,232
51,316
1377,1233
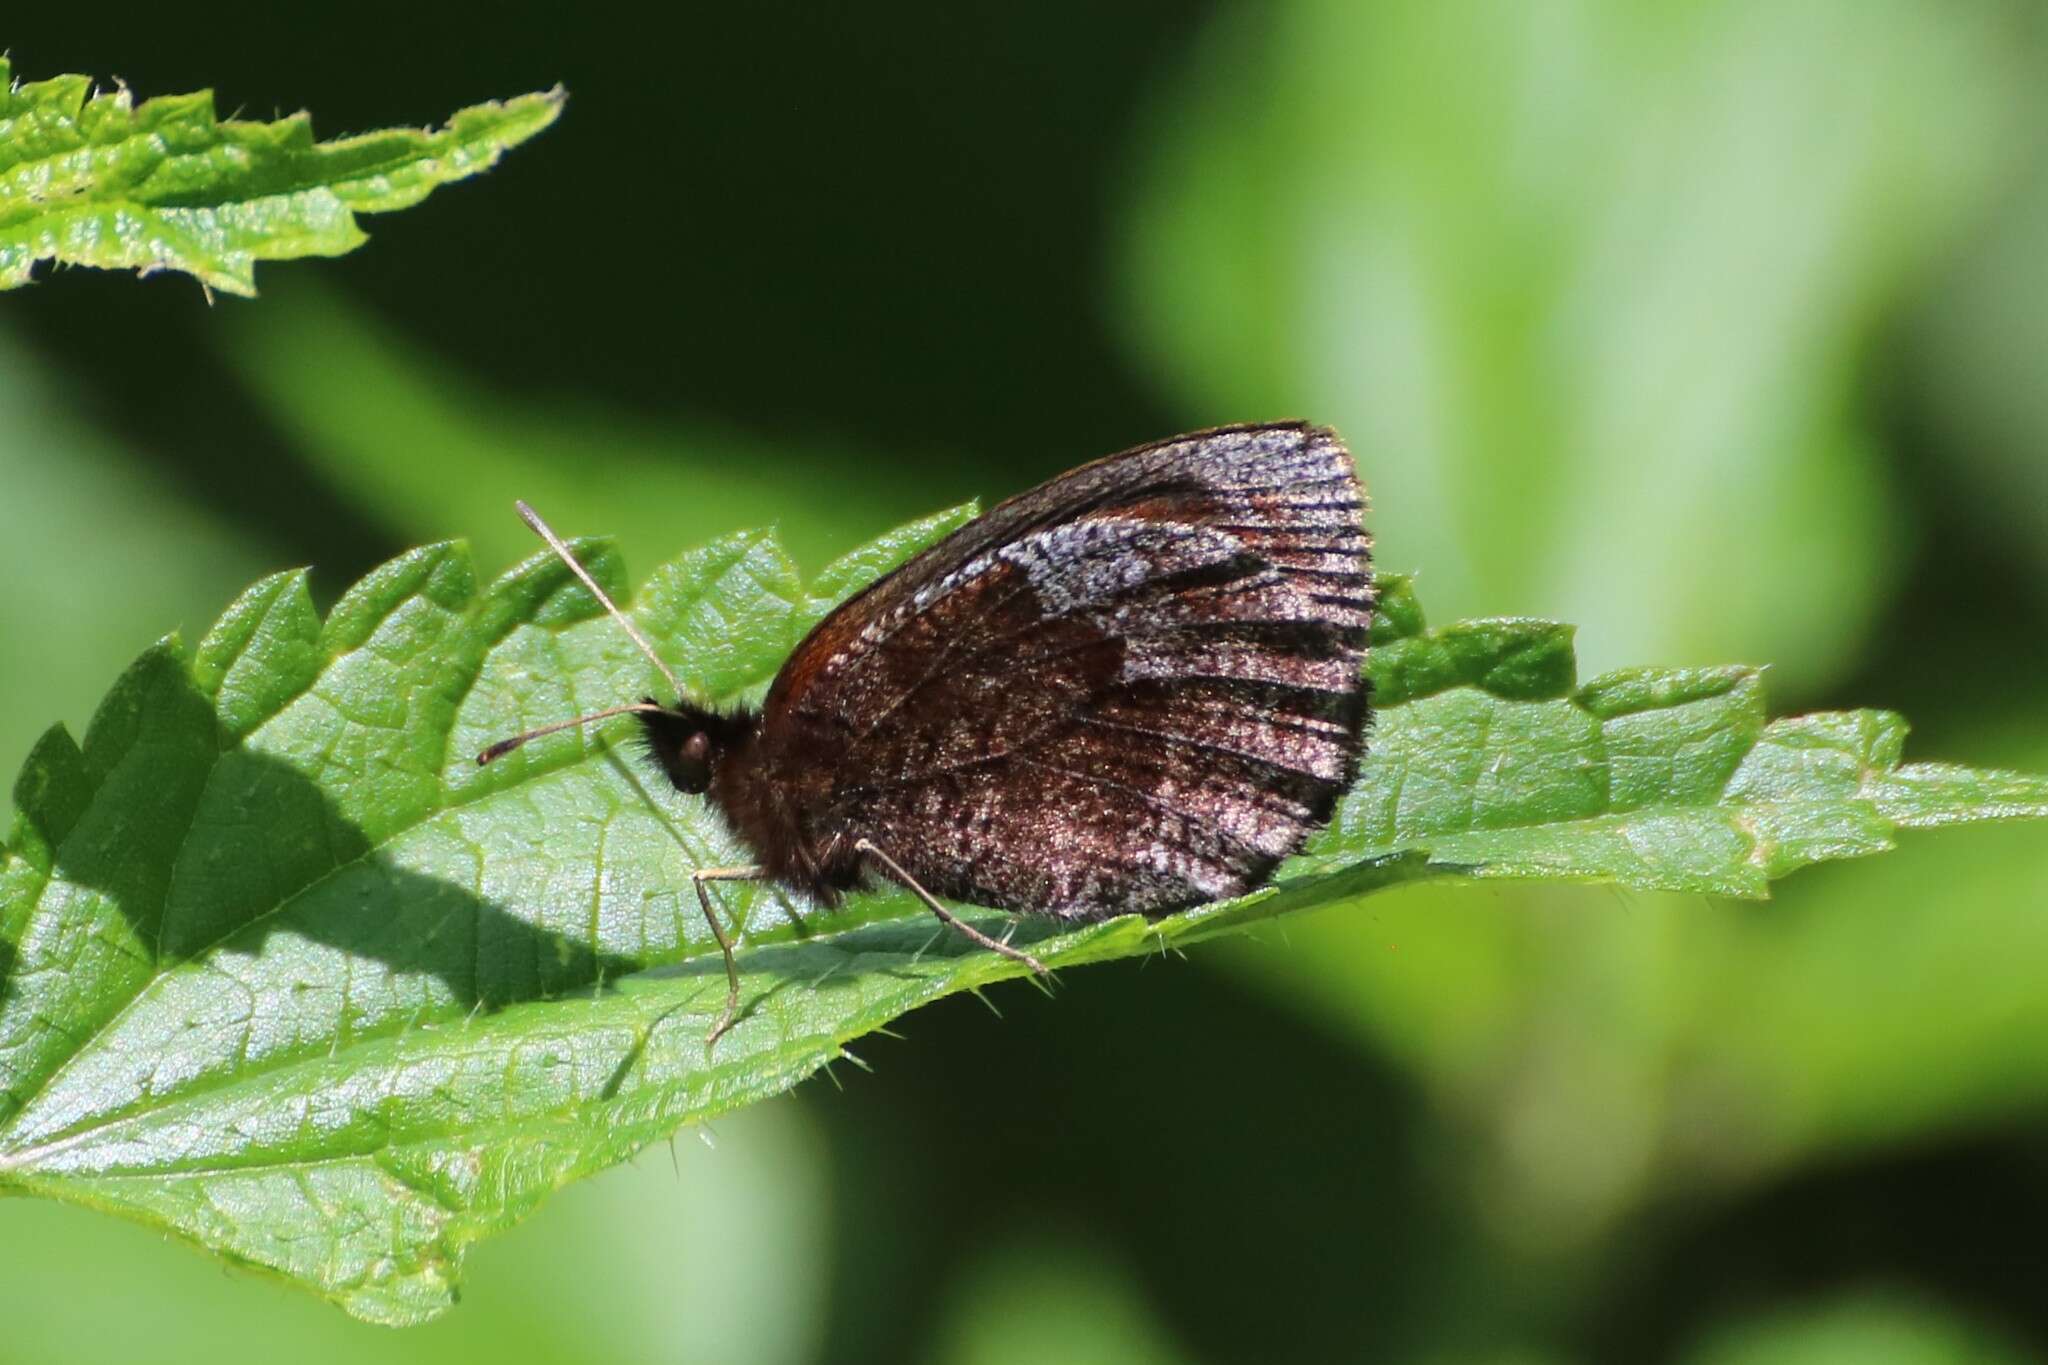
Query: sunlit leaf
x,y
282,971
97,179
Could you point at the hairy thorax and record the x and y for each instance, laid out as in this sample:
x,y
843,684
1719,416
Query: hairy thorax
x,y
776,795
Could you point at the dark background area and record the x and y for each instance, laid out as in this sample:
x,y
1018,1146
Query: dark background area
x,y
791,218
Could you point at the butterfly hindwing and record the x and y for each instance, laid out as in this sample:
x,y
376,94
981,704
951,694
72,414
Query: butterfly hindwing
x,y
1137,687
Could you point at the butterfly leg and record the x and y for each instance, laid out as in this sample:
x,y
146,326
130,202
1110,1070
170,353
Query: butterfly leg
x,y
931,903
732,971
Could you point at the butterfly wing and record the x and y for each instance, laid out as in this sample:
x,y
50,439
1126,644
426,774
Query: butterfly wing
x,y
1136,687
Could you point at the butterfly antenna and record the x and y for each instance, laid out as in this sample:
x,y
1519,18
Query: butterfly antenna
x,y
555,543
506,746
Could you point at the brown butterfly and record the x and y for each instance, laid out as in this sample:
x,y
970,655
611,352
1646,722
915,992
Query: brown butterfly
x,y
1134,689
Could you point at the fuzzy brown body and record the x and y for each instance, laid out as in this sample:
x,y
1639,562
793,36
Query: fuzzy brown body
x,y
1137,687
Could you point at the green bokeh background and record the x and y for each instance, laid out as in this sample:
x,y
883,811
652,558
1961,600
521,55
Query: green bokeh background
x,y
1717,326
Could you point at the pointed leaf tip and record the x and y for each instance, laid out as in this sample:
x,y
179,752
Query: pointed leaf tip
x,y
285,973
166,185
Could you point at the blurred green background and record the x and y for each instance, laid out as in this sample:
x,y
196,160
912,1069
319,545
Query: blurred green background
x,y
1716,326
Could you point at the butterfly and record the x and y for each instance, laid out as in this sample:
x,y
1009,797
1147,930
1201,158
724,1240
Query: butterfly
x,y
1136,688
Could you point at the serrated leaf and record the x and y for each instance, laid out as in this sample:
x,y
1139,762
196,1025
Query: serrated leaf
x,y
1489,755
99,180
283,972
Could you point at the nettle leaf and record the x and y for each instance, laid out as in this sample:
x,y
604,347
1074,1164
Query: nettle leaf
x,y
283,972
96,179
1490,755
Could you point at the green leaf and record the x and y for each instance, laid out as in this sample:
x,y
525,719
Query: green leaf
x,y
96,179
1486,754
283,972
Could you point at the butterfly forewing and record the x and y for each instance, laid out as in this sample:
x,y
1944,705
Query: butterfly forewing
x,y
1134,688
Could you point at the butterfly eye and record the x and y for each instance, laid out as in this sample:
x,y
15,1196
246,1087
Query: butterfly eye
x,y
690,766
